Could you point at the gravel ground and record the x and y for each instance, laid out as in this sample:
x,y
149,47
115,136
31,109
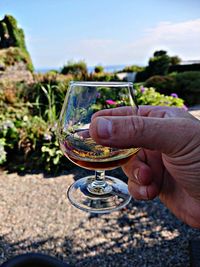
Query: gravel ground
x,y
35,216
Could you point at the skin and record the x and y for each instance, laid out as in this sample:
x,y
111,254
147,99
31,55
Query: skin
x,y
168,163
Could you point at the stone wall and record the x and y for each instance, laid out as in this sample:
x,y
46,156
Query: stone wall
x,y
16,73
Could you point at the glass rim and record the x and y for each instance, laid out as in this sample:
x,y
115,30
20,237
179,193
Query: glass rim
x,y
100,83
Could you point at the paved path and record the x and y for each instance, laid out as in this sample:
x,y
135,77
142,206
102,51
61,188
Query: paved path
x,y
195,111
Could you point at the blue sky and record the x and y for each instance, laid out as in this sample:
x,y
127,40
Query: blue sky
x,y
106,32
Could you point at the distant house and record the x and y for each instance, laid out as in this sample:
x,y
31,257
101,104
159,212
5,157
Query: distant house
x,y
186,65
127,76
189,62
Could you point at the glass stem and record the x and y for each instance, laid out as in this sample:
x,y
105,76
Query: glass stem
x,y
100,177
99,186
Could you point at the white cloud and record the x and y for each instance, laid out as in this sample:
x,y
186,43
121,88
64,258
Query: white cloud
x,y
180,39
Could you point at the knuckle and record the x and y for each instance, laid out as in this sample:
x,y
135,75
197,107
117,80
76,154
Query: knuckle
x,y
136,126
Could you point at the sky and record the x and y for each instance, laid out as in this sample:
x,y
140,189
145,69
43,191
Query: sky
x,y
106,32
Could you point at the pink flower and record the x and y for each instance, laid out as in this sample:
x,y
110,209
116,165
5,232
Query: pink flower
x,y
111,102
174,95
142,89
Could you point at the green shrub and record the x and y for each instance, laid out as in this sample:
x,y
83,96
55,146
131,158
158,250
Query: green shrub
x,y
163,84
104,77
46,96
28,129
159,64
13,55
142,76
2,151
132,68
186,85
175,61
28,116
30,142
11,37
99,69
77,69
8,137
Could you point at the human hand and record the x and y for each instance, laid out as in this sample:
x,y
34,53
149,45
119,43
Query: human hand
x,y
168,164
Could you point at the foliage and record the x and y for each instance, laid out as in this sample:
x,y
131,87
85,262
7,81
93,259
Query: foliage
x,y
99,69
142,76
175,60
13,55
2,151
77,69
159,64
148,96
13,37
29,112
46,95
28,126
32,138
7,132
186,85
16,35
106,77
132,68
163,84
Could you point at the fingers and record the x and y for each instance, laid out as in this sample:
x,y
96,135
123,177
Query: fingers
x,y
121,111
83,134
167,135
146,111
140,184
138,172
143,192
163,112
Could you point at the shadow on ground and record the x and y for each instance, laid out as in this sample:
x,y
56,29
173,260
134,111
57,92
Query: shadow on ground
x,y
143,234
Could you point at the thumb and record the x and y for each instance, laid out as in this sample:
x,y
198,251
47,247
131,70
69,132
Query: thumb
x,y
167,135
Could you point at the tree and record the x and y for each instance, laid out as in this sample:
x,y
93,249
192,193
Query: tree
x,y
175,60
78,69
99,69
159,63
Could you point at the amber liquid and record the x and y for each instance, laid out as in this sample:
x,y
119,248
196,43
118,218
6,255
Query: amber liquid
x,y
101,165
85,153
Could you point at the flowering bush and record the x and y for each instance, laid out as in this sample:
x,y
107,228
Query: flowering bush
x,y
8,131
27,125
148,96
28,140
2,151
185,84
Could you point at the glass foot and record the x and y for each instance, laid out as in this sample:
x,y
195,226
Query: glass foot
x,y
115,197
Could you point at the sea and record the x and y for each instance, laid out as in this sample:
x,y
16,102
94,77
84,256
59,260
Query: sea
x,y
110,68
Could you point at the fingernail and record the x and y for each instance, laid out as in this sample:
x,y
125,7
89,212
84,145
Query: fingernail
x,y
136,174
104,128
143,192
